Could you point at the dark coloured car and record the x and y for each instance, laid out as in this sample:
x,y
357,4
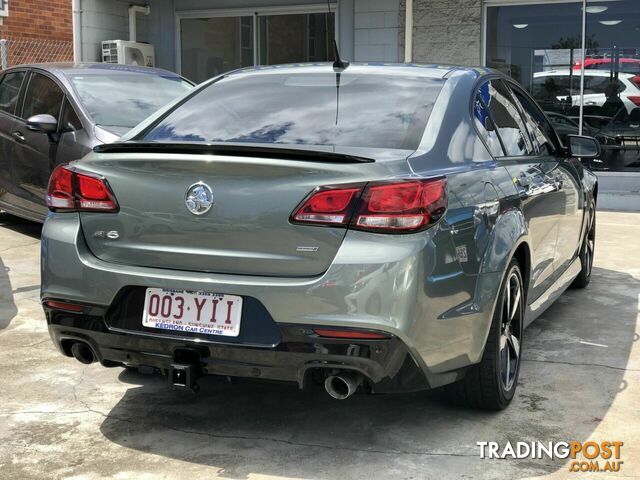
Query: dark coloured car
x,y
55,113
373,228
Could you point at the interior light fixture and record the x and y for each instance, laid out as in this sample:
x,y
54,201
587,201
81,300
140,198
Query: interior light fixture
x,y
520,25
610,23
596,9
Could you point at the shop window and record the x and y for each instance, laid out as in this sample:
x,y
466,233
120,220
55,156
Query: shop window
x,y
540,46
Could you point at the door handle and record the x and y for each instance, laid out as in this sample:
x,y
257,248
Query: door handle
x,y
19,137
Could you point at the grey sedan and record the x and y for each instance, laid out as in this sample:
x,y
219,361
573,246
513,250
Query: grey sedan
x,y
360,228
55,113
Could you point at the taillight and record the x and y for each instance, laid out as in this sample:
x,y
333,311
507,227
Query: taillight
x,y
636,80
635,99
385,207
329,206
70,190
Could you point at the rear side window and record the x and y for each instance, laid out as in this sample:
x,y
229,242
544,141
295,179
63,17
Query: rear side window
x,y
350,109
507,119
43,96
485,125
542,132
10,91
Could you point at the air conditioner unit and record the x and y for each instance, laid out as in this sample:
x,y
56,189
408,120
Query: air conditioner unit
x,y
128,53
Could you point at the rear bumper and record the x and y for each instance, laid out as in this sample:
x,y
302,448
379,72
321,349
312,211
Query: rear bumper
x,y
386,364
437,317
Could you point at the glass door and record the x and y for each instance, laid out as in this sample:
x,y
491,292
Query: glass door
x,y
612,82
295,38
219,41
211,46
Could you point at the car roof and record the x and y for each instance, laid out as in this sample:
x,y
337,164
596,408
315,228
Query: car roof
x,y
373,68
57,68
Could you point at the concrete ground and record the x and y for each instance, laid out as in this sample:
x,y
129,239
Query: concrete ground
x,y
59,419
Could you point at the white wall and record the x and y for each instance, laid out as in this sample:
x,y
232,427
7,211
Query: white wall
x,y
376,30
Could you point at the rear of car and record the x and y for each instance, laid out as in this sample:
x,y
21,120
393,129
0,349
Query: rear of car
x,y
251,229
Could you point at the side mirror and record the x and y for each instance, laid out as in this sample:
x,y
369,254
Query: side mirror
x,y
44,123
583,147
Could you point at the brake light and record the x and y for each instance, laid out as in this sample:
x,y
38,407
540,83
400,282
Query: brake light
x,y
70,190
636,80
386,207
635,99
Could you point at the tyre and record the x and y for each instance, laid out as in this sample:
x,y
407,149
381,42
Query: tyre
x,y
586,251
491,384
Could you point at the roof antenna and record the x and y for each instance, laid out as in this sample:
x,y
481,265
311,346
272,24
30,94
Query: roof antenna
x,y
338,63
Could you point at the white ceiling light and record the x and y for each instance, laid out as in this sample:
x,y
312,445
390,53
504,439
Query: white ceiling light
x,y
596,9
610,23
520,25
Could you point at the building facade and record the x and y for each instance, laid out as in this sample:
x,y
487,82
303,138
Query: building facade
x,y
537,42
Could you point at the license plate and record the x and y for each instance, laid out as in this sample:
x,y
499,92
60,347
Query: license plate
x,y
196,312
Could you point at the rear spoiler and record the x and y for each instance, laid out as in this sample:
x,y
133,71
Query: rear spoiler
x,y
231,149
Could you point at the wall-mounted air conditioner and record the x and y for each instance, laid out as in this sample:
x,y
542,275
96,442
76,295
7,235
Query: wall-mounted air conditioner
x,y
128,53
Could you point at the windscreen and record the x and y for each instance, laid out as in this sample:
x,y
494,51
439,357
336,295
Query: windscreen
x,y
345,109
123,99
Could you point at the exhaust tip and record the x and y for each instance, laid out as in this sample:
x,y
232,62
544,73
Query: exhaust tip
x,y
83,353
341,386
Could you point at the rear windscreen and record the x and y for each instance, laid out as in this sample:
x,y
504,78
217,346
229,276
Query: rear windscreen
x,y
347,109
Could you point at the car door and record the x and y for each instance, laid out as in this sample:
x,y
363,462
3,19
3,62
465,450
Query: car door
x,y
568,195
34,156
10,89
534,176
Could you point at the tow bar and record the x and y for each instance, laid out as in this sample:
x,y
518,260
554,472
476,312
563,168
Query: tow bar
x,y
182,376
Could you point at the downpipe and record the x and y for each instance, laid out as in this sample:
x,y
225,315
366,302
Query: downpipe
x,y
83,353
343,384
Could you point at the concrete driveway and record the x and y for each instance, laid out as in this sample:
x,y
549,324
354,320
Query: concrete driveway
x,y
59,419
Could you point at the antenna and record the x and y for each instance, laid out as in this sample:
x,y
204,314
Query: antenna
x,y
338,63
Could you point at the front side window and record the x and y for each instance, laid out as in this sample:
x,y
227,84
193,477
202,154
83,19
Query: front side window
x,y
43,97
542,132
506,116
350,110
10,91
